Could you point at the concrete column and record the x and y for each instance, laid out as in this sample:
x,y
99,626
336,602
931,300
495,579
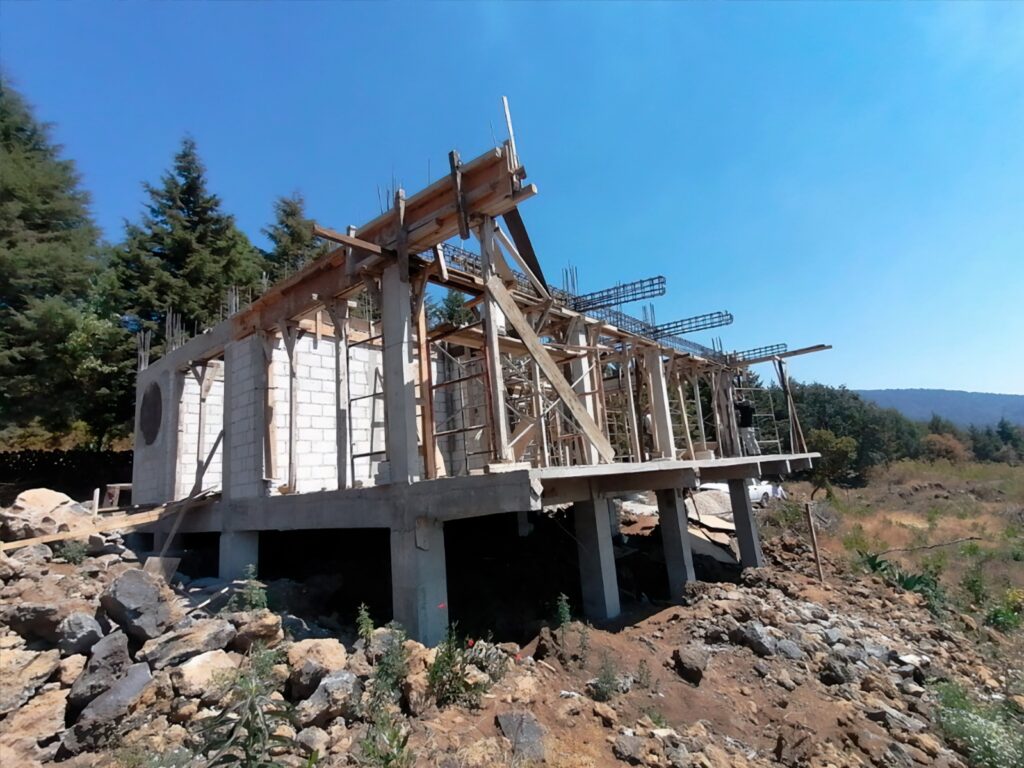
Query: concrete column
x,y
597,560
660,414
399,376
746,526
238,550
245,394
675,539
419,583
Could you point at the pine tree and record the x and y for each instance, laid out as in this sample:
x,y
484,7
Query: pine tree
x,y
183,255
60,361
294,244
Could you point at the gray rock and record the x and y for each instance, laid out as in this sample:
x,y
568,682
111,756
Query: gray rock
x,y
755,637
893,718
21,674
97,721
834,635
34,620
629,749
141,604
181,645
77,633
678,757
37,554
337,696
525,733
107,663
834,672
690,663
10,568
789,649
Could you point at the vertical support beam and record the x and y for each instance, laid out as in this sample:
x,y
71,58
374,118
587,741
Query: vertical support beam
x,y
675,539
399,379
746,526
681,388
268,342
419,583
426,382
237,550
660,414
582,372
538,412
634,426
695,381
338,312
290,334
597,559
494,321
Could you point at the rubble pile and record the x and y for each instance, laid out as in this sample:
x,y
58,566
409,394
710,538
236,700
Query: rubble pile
x,y
98,657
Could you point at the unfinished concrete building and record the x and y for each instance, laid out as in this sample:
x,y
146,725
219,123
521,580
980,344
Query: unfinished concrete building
x,y
332,402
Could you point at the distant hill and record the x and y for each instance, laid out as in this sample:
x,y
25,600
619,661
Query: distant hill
x,y
962,408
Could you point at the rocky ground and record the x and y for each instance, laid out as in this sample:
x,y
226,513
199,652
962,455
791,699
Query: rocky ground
x,y
103,664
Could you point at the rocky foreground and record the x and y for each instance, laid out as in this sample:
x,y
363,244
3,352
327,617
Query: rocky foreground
x,y
104,664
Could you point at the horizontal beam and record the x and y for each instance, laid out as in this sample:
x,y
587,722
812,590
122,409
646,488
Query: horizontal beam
x,y
790,353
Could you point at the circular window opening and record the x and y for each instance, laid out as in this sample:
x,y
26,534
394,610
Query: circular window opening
x,y
151,413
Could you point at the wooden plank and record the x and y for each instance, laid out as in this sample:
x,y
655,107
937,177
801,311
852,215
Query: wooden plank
x,y
549,368
500,448
115,523
426,388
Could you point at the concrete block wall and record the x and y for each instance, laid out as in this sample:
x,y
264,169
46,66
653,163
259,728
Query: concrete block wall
x,y
244,393
154,467
316,446
188,433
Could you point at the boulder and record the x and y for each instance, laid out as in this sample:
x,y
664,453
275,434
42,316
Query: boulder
x,y
315,740
77,633
108,661
310,661
629,748
337,695
690,663
21,674
262,627
10,568
178,646
41,512
789,649
70,668
202,676
609,716
36,555
99,720
755,637
34,620
834,672
142,604
30,735
525,734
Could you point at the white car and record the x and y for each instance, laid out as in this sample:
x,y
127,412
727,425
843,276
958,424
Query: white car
x,y
759,491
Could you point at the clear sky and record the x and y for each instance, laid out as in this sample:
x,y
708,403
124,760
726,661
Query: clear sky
x,y
849,173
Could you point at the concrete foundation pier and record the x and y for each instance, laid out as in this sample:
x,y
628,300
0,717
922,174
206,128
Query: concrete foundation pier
x,y
238,549
419,584
746,526
675,539
597,560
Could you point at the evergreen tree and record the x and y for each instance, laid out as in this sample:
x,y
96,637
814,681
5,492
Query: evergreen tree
x,y
183,255
294,244
60,361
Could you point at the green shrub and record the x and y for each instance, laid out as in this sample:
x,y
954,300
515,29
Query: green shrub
x,y
252,596
384,745
973,583
446,678
987,735
1007,614
364,626
74,552
563,617
606,685
243,732
643,674
389,672
925,584
583,652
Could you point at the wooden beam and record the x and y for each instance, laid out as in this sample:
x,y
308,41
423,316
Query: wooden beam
x,y
426,383
549,368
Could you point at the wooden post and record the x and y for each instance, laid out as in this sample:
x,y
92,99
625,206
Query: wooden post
x,y
290,334
338,312
538,411
695,381
662,418
686,418
635,440
492,319
426,382
814,541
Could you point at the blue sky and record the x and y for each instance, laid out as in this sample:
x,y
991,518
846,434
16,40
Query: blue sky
x,y
841,173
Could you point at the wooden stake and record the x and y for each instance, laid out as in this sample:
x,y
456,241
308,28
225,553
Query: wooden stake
x,y
814,541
